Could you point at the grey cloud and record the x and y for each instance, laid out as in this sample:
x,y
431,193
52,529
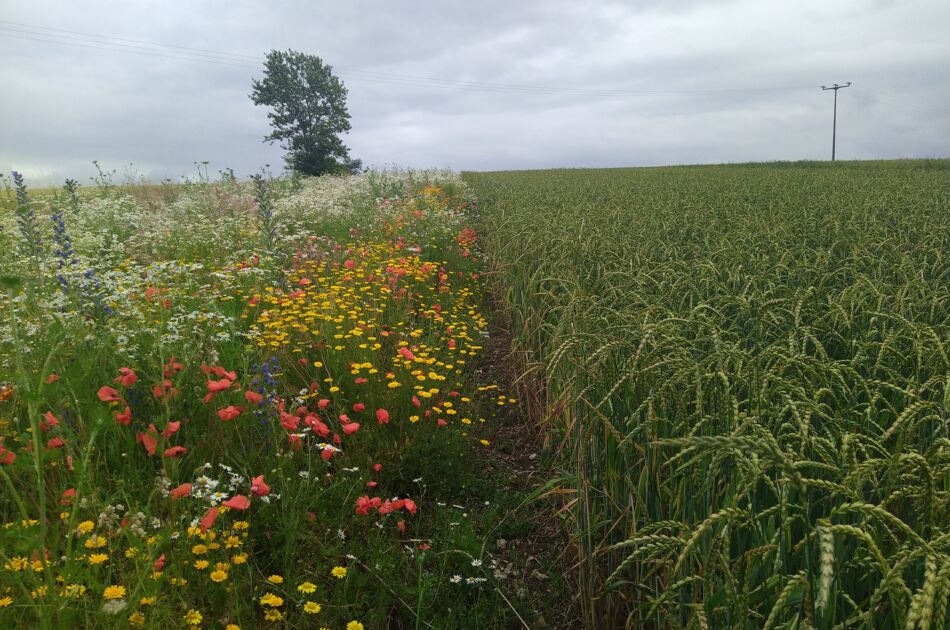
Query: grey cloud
x,y
685,79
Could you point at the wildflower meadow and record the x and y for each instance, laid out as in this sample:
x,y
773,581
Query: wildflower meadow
x,y
241,404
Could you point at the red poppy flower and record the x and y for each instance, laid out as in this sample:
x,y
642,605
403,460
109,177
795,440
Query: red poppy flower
x,y
323,403
124,417
351,427
68,496
238,502
258,487
181,491
318,427
253,397
382,416
289,422
362,506
148,440
159,563
52,378
127,377
107,394
172,367
229,413
377,467
175,451
171,429
410,506
358,407
51,421
55,443
219,371
208,519
219,385
442,422
164,388
360,380
406,353
402,526
326,454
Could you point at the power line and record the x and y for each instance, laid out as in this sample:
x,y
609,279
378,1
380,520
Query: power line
x,y
32,32
130,41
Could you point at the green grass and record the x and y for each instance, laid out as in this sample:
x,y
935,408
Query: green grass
x,y
746,374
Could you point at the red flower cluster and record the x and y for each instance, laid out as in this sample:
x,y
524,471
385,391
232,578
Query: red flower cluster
x,y
364,504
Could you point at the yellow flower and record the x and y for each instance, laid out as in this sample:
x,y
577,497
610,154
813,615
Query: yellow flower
x,y
218,576
199,549
85,527
240,558
275,579
95,542
232,626
311,608
354,625
272,600
74,590
193,617
307,587
16,563
239,525
146,601
201,565
338,572
273,615
136,619
114,592
5,601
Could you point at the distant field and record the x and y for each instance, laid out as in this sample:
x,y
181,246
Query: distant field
x,y
747,378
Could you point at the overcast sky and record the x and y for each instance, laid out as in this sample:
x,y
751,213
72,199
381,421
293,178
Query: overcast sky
x,y
475,85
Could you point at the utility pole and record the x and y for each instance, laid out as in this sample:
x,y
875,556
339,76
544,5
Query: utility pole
x,y
834,120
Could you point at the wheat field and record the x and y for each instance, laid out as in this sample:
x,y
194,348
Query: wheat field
x,y
745,375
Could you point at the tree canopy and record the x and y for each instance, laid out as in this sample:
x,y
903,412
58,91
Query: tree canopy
x,y
308,112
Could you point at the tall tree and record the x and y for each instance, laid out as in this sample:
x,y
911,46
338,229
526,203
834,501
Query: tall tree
x,y
308,112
